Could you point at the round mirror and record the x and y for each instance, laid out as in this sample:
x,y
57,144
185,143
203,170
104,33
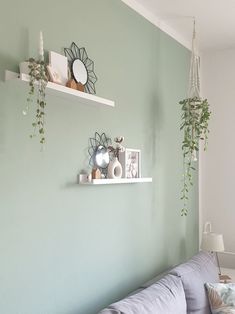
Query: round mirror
x,y
79,71
101,157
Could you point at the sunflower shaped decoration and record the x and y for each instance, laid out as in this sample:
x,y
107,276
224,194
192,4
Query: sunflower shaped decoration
x,y
82,68
99,151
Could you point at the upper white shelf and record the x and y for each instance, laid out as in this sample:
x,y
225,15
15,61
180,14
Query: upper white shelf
x,y
117,181
63,91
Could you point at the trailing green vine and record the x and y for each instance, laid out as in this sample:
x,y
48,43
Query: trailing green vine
x,y
38,79
195,118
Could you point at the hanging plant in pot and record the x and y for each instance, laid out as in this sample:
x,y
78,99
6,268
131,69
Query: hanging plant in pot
x,y
38,80
195,118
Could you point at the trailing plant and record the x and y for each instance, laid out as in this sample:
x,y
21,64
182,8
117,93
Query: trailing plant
x,y
195,118
38,80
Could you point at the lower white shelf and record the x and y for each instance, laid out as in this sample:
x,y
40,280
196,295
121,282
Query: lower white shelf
x,y
117,181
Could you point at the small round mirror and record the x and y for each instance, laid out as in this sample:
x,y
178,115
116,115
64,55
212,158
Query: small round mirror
x,y
79,71
101,157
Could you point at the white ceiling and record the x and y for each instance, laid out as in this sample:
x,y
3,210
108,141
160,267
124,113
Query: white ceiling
x,y
215,20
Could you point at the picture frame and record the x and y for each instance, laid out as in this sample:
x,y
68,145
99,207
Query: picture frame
x,y
130,160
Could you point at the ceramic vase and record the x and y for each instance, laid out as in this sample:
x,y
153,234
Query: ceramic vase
x,y
114,169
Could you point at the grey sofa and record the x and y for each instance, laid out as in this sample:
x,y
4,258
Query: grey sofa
x,y
179,291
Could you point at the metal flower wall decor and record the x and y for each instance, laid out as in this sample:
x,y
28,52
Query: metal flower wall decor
x,y
98,150
82,67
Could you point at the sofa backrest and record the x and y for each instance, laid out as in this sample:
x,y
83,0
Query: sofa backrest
x,y
165,296
194,274
181,291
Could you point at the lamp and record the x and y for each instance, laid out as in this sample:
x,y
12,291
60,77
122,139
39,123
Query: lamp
x,y
212,242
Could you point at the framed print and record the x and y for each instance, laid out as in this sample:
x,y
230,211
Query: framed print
x,y
130,160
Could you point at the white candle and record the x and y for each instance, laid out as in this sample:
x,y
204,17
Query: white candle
x,y
41,51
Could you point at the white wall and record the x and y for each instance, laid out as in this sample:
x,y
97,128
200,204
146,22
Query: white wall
x,y
217,165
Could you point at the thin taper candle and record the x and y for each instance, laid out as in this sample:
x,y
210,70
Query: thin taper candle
x,y
41,51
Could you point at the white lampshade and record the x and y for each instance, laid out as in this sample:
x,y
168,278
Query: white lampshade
x,y
212,242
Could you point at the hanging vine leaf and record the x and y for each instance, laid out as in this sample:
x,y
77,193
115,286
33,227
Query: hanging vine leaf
x,y
37,79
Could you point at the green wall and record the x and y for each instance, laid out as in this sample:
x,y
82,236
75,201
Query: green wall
x,y
65,248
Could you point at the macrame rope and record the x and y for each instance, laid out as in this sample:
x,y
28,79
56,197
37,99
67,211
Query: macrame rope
x,y
194,80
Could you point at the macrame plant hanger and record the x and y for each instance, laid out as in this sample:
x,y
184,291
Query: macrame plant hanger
x,y
194,79
195,117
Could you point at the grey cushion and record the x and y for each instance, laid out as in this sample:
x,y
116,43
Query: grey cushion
x,y
164,297
194,274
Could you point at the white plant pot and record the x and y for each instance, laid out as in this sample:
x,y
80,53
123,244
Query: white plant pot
x,y
114,169
24,67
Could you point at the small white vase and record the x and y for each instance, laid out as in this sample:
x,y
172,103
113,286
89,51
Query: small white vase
x,y
114,169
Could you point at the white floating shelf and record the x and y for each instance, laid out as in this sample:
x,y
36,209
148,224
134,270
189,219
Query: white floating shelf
x,y
117,181
63,91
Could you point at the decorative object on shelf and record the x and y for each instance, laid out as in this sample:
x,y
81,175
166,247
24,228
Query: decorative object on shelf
x,y
101,157
195,118
58,64
119,147
80,87
96,173
71,84
54,75
114,151
99,152
84,177
24,67
130,160
82,68
114,169
41,48
37,74
212,242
